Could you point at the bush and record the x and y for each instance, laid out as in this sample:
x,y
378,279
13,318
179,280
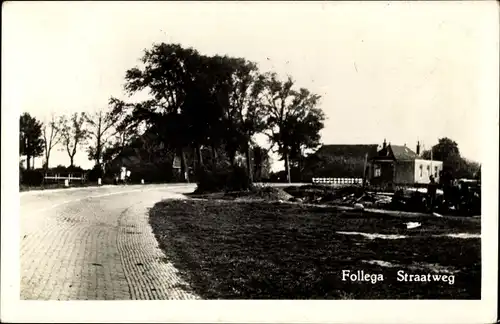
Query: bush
x,y
150,173
95,173
216,180
238,180
31,177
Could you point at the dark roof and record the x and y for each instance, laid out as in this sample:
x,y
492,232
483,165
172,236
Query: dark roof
x,y
396,152
352,150
403,153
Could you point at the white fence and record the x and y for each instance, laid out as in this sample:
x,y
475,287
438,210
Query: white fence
x,y
57,177
337,181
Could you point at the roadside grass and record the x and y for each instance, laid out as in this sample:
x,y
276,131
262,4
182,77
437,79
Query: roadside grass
x,y
259,250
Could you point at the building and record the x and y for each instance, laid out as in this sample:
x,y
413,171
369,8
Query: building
x,y
342,160
399,165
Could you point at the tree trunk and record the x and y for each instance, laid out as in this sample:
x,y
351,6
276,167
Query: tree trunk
x,y
287,168
98,153
249,163
28,158
184,169
232,157
199,156
71,161
214,155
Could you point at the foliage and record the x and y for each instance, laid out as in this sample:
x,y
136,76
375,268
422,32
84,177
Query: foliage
x,y
454,165
30,138
95,173
292,116
238,180
171,74
64,170
243,113
217,180
31,177
200,102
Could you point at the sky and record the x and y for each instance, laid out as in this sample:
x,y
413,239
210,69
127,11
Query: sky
x,y
403,71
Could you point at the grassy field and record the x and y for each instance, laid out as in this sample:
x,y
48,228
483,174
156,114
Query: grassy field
x,y
258,250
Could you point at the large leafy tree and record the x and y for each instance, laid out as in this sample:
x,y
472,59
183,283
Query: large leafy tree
x,y
30,138
74,134
292,117
454,165
51,134
171,74
244,113
447,151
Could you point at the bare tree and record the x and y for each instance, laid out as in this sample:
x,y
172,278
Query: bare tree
x,y
103,126
73,134
51,135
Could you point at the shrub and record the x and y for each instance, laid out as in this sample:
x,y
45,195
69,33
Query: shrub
x,y
238,180
95,173
211,180
31,177
150,173
216,180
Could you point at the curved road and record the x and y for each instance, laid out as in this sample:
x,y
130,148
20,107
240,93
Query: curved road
x,y
96,244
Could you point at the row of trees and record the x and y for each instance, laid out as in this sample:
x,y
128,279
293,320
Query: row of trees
x,y
69,133
219,101
195,102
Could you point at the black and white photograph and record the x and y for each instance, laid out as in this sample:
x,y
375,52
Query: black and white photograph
x,y
334,156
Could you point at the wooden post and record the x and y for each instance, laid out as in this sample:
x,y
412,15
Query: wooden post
x,y
364,169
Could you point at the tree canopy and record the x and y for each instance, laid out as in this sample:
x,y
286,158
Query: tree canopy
x,y
30,138
212,101
292,116
454,165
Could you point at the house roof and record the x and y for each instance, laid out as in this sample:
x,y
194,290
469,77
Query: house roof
x,y
352,150
403,153
397,152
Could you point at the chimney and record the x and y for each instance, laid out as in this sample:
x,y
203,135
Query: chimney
x,y
384,145
418,148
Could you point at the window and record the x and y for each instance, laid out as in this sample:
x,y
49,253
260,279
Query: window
x,y
377,171
421,169
435,172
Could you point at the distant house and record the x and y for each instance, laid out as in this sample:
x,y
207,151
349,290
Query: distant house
x,y
396,164
343,160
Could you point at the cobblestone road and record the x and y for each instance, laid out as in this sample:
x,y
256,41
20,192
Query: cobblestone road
x,y
96,244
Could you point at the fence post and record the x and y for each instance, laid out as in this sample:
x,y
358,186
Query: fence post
x,y
66,182
99,181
